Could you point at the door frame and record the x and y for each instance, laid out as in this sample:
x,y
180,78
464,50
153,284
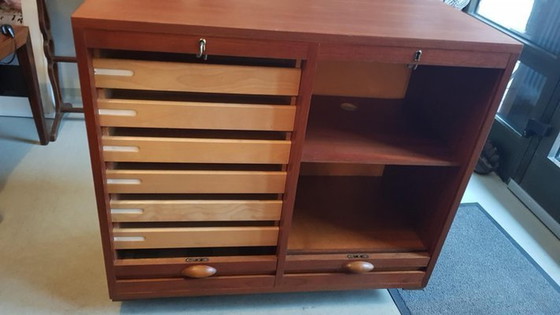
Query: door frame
x,y
548,64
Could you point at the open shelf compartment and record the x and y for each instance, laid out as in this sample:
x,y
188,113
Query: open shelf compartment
x,y
369,131
347,214
389,114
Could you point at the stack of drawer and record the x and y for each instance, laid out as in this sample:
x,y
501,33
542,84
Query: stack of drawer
x,y
196,156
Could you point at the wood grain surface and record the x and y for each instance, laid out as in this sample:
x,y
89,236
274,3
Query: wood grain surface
x,y
425,23
322,218
335,262
195,115
155,181
193,150
195,210
194,237
204,78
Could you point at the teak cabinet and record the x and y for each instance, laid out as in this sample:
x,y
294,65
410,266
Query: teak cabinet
x,y
269,146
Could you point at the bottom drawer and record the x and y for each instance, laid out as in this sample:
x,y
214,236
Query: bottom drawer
x,y
338,281
194,267
151,288
356,263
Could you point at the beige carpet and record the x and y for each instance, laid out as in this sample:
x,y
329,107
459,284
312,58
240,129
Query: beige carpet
x,y
50,252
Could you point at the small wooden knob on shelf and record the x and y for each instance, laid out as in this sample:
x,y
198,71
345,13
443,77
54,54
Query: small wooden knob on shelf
x,y
199,271
358,267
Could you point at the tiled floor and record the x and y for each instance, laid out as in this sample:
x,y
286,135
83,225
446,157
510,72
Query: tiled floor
x,y
50,254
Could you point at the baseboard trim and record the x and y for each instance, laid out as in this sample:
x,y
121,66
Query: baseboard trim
x,y
537,210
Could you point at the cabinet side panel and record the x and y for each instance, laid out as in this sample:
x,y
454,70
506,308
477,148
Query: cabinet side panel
x,y
470,137
85,68
481,135
451,103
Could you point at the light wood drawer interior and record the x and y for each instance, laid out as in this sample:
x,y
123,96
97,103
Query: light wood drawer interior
x,y
178,182
195,115
134,238
195,150
192,77
195,210
196,155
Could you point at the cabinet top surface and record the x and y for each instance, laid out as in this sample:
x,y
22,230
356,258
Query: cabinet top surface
x,y
382,22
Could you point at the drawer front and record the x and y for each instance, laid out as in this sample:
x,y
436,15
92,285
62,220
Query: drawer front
x,y
196,237
191,77
404,55
195,210
180,43
166,287
194,150
388,279
234,182
181,267
194,115
354,263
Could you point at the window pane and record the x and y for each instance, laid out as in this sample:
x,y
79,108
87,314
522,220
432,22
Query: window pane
x,y
536,20
554,154
521,97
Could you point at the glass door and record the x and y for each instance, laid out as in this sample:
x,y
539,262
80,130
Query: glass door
x,y
527,123
541,180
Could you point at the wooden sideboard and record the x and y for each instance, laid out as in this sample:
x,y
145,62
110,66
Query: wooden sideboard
x,y
270,146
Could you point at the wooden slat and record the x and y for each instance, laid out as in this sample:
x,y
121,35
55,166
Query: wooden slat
x,y
136,238
167,114
203,78
151,149
195,210
150,181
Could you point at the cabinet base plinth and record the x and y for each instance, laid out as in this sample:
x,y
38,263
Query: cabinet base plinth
x,y
176,287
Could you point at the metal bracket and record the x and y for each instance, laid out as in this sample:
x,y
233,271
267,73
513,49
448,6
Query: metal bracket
x,y
202,49
415,60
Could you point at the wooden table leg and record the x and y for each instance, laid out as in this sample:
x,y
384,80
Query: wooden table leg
x,y
27,63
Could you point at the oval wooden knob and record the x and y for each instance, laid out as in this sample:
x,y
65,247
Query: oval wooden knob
x,y
199,271
358,267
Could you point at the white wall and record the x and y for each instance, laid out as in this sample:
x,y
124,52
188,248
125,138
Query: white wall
x,y
60,12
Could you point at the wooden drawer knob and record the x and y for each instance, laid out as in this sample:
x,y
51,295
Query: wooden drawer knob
x,y
199,271
358,267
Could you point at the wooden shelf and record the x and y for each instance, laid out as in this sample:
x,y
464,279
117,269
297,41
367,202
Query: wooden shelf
x,y
348,214
376,132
